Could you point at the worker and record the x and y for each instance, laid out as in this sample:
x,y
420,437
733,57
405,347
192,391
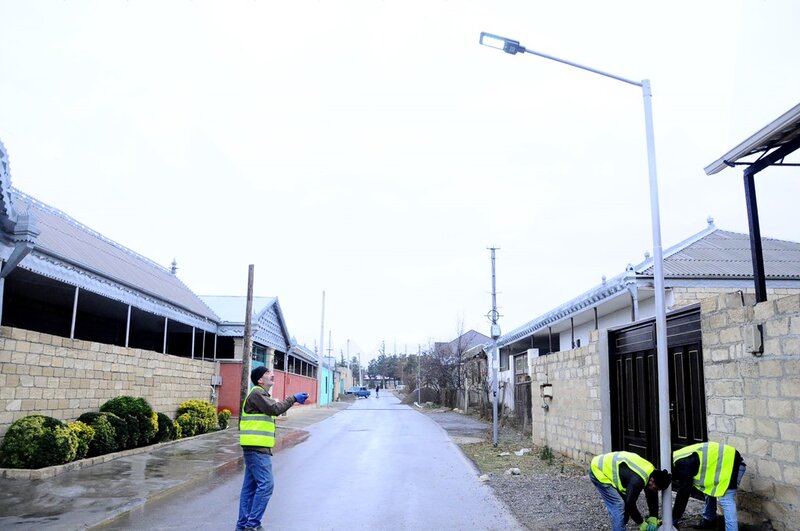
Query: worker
x,y
620,477
715,470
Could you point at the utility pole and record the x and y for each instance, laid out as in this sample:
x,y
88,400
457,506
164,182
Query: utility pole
x,y
419,372
495,334
247,348
333,364
320,353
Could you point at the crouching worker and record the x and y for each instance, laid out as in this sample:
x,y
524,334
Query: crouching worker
x,y
257,438
715,470
620,477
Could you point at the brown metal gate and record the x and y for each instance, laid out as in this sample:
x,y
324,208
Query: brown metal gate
x,y
634,384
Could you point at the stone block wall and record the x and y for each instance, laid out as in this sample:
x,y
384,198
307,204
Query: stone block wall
x,y
572,423
63,378
753,401
692,295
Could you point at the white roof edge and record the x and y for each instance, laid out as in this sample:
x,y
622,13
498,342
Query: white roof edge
x,y
745,148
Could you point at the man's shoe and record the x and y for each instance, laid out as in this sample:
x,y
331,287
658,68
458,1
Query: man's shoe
x,y
707,524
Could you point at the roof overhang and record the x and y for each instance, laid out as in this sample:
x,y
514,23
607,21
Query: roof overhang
x,y
779,132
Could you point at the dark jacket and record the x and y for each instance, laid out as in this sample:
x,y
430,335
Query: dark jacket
x,y
633,487
259,401
682,473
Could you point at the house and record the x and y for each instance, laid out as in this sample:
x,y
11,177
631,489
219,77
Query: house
x,y
469,362
295,367
709,263
589,366
85,319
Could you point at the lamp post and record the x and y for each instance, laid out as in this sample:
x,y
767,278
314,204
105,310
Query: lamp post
x,y
513,47
495,362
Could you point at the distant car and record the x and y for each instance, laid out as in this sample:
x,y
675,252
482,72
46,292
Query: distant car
x,y
358,392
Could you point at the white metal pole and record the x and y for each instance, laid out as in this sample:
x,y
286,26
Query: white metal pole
x,y
665,436
419,372
320,352
495,333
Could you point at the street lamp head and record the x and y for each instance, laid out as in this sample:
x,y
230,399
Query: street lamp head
x,y
501,43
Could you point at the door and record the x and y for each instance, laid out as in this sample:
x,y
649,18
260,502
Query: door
x,y
634,384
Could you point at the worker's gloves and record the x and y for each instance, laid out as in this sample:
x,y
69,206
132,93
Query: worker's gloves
x,y
301,398
651,524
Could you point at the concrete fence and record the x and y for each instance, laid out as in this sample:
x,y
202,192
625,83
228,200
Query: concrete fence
x,y
63,378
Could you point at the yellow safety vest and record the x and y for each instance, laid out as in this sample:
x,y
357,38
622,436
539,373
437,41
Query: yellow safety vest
x,y
256,429
605,468
716,466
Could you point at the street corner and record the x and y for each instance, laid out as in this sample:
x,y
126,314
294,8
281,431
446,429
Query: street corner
x,y
289,439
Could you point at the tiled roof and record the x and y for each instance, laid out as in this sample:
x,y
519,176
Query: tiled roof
x,y
710,254
724,254
65,239
232,308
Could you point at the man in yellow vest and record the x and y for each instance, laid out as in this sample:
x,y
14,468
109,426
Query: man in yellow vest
x,y
619,474
257,437
715,470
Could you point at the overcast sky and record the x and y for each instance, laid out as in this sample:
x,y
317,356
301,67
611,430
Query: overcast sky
x,y
375,150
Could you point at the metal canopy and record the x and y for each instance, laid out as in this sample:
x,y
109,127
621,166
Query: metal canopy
x,y
777,134
772,144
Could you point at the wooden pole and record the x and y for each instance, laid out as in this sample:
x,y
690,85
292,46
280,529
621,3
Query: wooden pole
x,y
247,348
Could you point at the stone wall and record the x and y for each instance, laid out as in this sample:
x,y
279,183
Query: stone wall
x,y
63,378
692,295
572,423
753,401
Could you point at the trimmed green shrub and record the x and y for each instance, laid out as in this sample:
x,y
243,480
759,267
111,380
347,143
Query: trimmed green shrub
x,y
134,432
106,439
85,434
204,412
140,410
37,441
178,429
189,424
224,417
166,429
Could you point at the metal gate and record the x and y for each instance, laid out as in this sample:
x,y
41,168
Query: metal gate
x,y
634,384
522,405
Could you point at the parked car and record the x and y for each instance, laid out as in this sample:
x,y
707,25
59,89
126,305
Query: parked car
x,y
358,391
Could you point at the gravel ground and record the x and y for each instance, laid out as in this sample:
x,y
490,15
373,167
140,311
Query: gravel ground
x,y
547,495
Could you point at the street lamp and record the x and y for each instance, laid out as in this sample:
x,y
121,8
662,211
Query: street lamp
x,y
513,47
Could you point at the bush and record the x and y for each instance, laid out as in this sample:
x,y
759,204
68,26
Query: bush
x,y
140,410
189,424
224,417
37,441
84,434
105,436
166,429
204,413
178,430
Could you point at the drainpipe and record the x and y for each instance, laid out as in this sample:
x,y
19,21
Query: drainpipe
x,y
24,238
633,288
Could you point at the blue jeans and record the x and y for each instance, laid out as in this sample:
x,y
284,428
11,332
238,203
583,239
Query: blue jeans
x,y
256,489
614,503
728,503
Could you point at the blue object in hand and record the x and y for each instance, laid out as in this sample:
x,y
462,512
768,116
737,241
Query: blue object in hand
x,y
301,397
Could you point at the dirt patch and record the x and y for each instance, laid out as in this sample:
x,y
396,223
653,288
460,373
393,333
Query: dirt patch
x,y
551,492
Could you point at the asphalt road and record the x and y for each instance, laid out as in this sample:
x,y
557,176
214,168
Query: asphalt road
x,y
377,465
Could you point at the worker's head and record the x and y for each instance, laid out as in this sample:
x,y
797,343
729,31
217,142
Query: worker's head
x,y
659,480
261,376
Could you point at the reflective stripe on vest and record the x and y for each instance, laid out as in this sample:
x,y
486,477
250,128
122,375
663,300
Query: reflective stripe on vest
x,y
605,468
716,466
256,429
